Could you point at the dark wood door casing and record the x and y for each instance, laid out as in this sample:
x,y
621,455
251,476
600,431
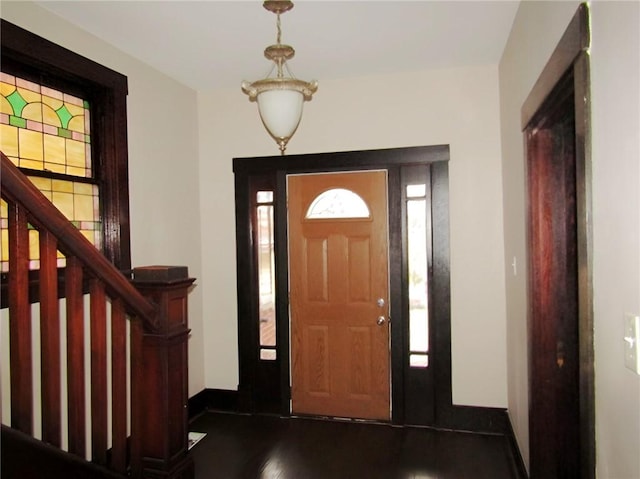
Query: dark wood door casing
x,y
257,377
33,57
556,125
553,321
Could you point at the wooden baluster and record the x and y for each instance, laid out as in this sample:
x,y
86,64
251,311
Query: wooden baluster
x,y
49,339
75,357
137,396
118,387
20,322
160,377
98,313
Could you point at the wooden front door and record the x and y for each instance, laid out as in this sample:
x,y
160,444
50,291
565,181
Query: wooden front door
x,y
338,269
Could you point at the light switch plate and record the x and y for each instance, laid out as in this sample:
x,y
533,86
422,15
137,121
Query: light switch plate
x,y
631,340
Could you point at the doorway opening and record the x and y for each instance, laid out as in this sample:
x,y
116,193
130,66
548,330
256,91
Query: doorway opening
x,y
561,382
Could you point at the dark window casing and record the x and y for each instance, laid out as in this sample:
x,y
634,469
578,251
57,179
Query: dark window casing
x,y
30,56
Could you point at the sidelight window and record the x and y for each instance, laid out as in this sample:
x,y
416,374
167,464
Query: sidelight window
x,y
418,268
266,274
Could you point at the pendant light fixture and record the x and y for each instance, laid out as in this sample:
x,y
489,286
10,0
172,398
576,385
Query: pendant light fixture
x,y
280,98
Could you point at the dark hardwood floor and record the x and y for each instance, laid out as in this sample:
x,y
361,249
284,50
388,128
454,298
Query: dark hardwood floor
x,y
267,447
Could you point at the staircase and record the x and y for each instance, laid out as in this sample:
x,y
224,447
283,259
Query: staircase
x,y
125,413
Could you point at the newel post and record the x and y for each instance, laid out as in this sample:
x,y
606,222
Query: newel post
x,y
159,377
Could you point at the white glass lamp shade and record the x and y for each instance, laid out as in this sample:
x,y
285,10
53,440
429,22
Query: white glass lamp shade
x,y
281,111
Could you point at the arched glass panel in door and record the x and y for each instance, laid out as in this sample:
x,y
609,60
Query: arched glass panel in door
x,y
338,203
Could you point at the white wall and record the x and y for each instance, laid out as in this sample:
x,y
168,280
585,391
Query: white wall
x,y
615,74
163,160
457,107
616,204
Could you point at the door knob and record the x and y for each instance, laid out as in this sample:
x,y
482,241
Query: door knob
x,y
381,320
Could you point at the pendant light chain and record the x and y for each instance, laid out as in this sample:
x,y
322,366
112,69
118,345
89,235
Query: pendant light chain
x,y
279,36
278,42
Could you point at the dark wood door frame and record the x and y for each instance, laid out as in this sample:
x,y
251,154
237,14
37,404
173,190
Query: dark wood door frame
x,y
275,170
562,86
258,392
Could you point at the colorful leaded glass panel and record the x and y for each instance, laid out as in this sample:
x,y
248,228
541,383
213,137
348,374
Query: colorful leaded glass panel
x,y
49,130
44,129
4,237
79,202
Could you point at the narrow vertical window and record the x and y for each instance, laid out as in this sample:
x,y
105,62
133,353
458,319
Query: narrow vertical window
x,y
266,274
418,273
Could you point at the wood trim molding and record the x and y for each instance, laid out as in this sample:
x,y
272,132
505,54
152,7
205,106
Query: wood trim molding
x,y
224,400
46,55
343,160
520,470
574,40
26,53
570,62
484,420
251,396
584,225
487,420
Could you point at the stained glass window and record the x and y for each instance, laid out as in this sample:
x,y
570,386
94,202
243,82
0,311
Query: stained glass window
x,y
44,129
49,131
4,236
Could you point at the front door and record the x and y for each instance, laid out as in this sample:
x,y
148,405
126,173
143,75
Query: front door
x,y
338,269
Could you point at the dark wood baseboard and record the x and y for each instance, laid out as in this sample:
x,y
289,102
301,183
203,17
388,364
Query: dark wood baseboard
x,y
516,456
197,404
460,418
213,400
474,419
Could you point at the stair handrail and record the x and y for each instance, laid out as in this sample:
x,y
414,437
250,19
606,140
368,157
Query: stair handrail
x,y
17,187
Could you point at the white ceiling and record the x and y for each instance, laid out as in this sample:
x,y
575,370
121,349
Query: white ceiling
x,y
212,44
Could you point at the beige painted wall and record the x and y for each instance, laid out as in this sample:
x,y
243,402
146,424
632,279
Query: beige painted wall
x,y
615,68
536,31
615,74
456,107
163,160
